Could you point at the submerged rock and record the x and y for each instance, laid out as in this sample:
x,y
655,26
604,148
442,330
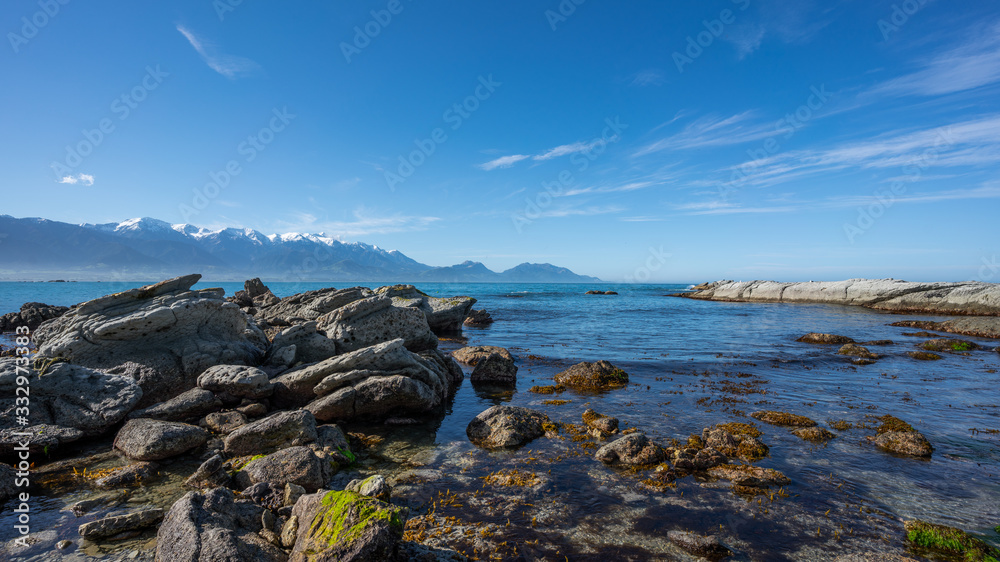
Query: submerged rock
x,y
924,355
214,526
277,431
949,345
346,526
593,376
708,547
495,369
600,422
68,402
750,476
474,353
111,526
949,541
634,449
825,339
162,336
782,418
506,426
813,434
478,318
858,351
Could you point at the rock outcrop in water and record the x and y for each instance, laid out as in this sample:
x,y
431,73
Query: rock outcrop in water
x,y
31,315
163,336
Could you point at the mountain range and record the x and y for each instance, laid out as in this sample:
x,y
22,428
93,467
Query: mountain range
x,y
145,248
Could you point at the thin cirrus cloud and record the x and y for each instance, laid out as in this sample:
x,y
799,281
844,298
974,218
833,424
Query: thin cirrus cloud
x,y
971,64
82,179
561,150
364,223
230,66
714,130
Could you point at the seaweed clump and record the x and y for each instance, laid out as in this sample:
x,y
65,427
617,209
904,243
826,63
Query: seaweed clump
x,y
782,418
949,540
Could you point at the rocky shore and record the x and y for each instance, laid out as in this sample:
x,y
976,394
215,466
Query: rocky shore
x,y
246,414
977,303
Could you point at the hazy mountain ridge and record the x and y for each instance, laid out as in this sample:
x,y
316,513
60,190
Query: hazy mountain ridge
x,y
150,248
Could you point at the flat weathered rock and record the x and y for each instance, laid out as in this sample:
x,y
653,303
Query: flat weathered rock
x,y
375,320
111,526
444,315
502,427
474,353
236,380
194,403
150,440
283,429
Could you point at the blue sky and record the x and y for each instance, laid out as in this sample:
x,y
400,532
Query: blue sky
x,y
662,141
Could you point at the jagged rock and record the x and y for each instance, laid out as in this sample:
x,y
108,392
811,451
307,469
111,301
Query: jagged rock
x,y
378,381
111,526
970,297
634,449
291,494
150,440
283,429
750,476
373,487
224,422
375,320
214,527
502,427
31,315
135,473
268,495
254,294
303,307
825,339
949,345
345,526
211,474
473,354
813,434
478,318
331,440
444,315
162,336
296,465
68,402
236,380
909,443
706,547
194,403
495,369
593,376
309,346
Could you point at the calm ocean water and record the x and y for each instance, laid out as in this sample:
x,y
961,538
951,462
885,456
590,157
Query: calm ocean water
x,y
685,359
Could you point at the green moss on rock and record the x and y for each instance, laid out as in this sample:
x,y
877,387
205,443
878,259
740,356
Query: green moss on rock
x,y
949,540
346,516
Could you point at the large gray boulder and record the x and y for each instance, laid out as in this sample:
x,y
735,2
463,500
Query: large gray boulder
x,y
377,381
214,527
301,343
303,307
294,465
194,403
67,402
150,440
375,320
277,431
346,527
162,336
444,315
236,380
502,427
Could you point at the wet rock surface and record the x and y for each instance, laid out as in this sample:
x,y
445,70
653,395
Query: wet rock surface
x,y
506,426
601,375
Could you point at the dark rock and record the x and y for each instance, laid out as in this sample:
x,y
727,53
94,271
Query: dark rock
x,y
211,474
782,418
909,443
32,314
593,376
506,426
949,345
296,465
269,495
214,527
8,478
149,440
924,355
706,547
825,339
495,369
855,350
191,404
634,449
478,318
813,434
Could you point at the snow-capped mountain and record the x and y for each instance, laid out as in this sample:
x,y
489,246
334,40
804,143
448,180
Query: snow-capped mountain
x,y
144,248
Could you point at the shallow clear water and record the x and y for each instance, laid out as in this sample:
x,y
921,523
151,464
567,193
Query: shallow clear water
x,y
685,358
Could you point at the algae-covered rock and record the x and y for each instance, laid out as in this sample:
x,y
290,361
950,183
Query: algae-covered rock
x,y
593,376
897,436
924,355
634,449
949,345
782,418
817,434
474,353
600,422
506,426
825,339
855,350
346,526
949,541
750,476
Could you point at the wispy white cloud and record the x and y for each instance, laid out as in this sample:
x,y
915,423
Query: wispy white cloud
x,y
648,77
746,38
714,130
82,179
364,222
578,211
230,66
504,162
973,63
